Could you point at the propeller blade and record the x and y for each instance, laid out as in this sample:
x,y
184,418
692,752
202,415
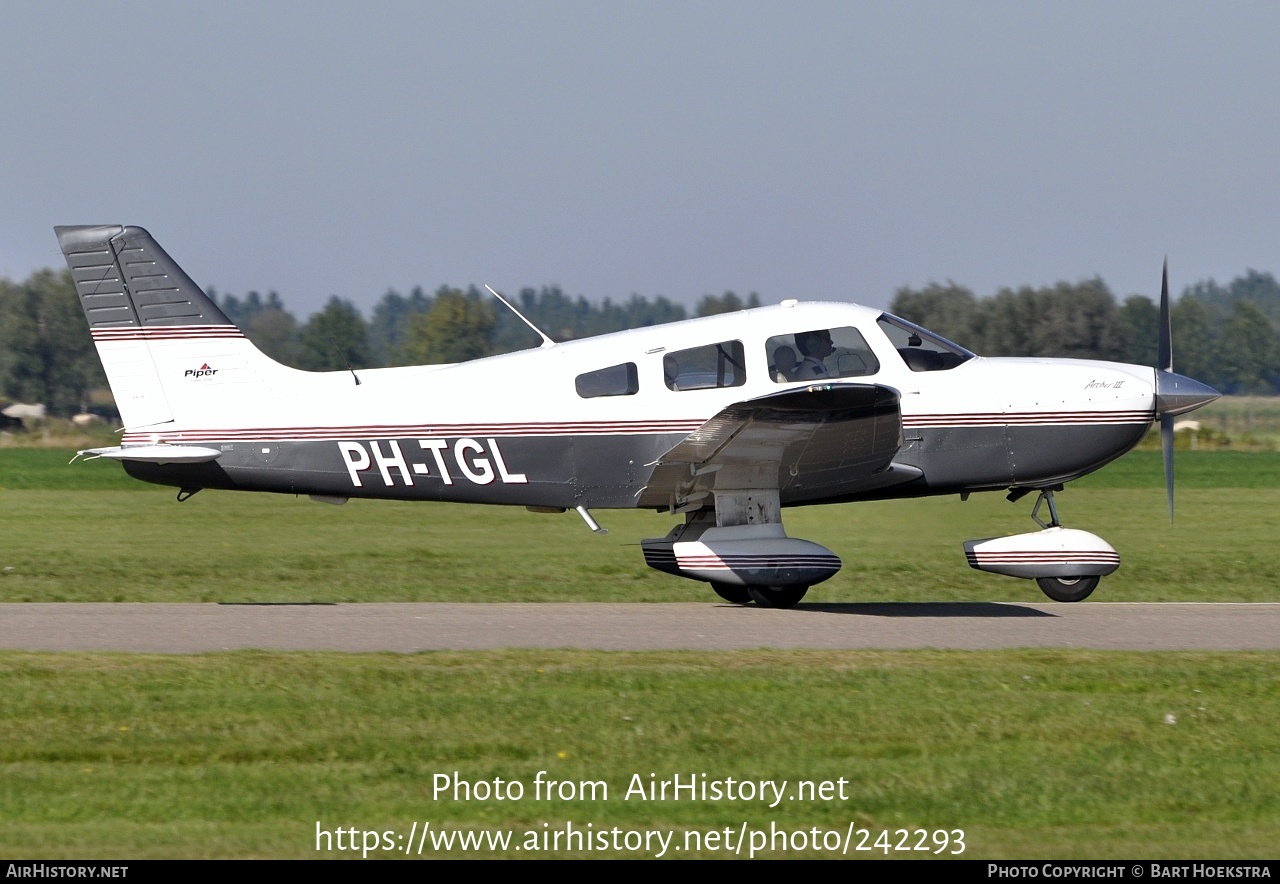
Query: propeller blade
x,y
1166,378
1165,360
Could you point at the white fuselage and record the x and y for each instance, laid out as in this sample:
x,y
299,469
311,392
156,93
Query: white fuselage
x,y
983,423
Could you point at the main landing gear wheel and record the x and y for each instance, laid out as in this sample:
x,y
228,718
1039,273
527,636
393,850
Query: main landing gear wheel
x,y
777,596
1068,589
737,595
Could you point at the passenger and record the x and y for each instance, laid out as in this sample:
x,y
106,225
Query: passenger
x,y
784,364
671,372
816,346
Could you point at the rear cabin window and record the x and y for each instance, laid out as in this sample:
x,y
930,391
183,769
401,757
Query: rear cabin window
x,y
705,368
922,350
616,380
820,353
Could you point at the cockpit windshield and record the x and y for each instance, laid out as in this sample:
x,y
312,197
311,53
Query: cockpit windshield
x,y
920,349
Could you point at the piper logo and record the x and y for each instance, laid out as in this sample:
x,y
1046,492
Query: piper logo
x,y
203,371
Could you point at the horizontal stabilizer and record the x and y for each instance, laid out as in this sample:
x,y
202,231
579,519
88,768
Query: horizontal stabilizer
x,y
154,453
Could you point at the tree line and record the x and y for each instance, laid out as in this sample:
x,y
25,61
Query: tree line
x,y
48,356
1223,335
451,325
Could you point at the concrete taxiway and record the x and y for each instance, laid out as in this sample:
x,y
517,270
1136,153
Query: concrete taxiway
x,y
407,627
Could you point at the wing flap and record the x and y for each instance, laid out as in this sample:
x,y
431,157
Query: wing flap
x,y
817,442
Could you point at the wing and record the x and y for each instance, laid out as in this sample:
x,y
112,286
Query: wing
x,y
813,443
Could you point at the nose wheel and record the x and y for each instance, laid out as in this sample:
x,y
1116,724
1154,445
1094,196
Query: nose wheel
x,y
1068,589
1066,563
1060,589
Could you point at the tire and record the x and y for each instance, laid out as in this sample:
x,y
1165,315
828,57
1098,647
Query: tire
x,y
736,595
1068,589
777,596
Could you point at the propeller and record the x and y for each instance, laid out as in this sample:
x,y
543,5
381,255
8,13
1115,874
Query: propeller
x,y
1175,394
1164,363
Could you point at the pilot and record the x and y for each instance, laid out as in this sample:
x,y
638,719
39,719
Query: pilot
x,y
816,346
784,364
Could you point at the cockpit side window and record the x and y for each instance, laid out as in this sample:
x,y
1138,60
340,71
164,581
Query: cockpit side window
x,y
922,350
616,380
819,353
705,368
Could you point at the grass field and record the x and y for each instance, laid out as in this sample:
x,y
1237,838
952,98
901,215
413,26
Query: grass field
x,y
1034,754
87,532
1031,754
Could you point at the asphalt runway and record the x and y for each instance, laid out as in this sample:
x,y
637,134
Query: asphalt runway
x,y
407,627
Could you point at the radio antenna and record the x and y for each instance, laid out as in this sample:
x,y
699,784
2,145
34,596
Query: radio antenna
x,y
546,341
343,357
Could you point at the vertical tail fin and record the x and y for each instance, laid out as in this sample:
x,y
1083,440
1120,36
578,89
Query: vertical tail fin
x,y
125,280
165,345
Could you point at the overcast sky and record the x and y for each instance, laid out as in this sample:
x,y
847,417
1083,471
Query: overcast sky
x,y
811,150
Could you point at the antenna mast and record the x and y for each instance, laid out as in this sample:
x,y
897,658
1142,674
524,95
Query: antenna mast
x,y
546,341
